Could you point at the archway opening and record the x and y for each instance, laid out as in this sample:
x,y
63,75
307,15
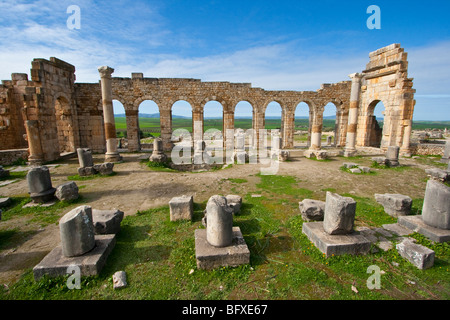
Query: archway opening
x,y
149,124
64,126
330,134
273,120
302,131
243,115
182,119
120,120
375,123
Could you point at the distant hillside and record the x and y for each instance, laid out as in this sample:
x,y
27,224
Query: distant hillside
x,y
147,115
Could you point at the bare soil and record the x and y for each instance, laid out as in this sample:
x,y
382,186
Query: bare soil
x,y
135,187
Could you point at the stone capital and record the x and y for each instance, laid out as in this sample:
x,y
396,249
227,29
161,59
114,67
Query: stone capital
x,y
105,71
356,76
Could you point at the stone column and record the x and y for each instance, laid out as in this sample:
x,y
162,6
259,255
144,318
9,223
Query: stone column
x,y
350,149
316,131
289,128
36,156
134,143
197,126
112,155
405,149
166,128
228,125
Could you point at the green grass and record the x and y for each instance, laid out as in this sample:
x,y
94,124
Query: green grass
x,y
38,214
159,258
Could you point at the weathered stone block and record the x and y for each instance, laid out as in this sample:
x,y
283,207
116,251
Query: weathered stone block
x,y
86,171
312,210
395,204
104,168
40,184
67,191
85,157
107,221
339,214
119,280
234,202
438,174
436,205
77,232
355,170
420,256
349,165
181,208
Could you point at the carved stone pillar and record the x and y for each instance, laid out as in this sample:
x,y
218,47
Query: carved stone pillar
x,y
112,155
134,143
350,149
36,155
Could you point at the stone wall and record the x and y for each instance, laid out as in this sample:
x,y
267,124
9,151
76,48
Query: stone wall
x,y
8,157
427,149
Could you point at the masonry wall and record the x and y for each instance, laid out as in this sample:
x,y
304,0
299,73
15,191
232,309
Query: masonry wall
x,y
69,115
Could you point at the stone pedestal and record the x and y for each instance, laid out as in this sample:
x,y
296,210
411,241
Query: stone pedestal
x,y
330,245
40,185
392,155
210,257
158,154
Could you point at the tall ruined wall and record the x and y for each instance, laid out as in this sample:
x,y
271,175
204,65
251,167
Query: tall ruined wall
x,y
12,95
386,80
90,116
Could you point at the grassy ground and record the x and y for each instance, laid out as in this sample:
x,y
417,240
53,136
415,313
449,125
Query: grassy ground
x,y
159,257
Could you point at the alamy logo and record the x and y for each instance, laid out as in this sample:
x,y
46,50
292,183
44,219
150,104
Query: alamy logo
x,y
74,281
74,20
374,281
374,21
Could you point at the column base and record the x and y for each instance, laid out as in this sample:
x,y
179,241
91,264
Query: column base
x,y
350,153
113,157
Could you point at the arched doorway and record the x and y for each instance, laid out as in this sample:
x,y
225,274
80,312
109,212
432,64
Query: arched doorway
x,y
149,125
302,129
120,120
375,123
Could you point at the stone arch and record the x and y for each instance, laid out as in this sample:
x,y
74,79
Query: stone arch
x,y
374,132
301,139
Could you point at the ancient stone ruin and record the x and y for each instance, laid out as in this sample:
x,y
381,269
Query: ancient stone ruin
x,y
52,115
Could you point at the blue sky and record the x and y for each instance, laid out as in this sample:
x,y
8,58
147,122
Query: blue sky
x,y
275,45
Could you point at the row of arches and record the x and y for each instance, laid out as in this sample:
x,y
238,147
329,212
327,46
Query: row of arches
x,y
244,110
